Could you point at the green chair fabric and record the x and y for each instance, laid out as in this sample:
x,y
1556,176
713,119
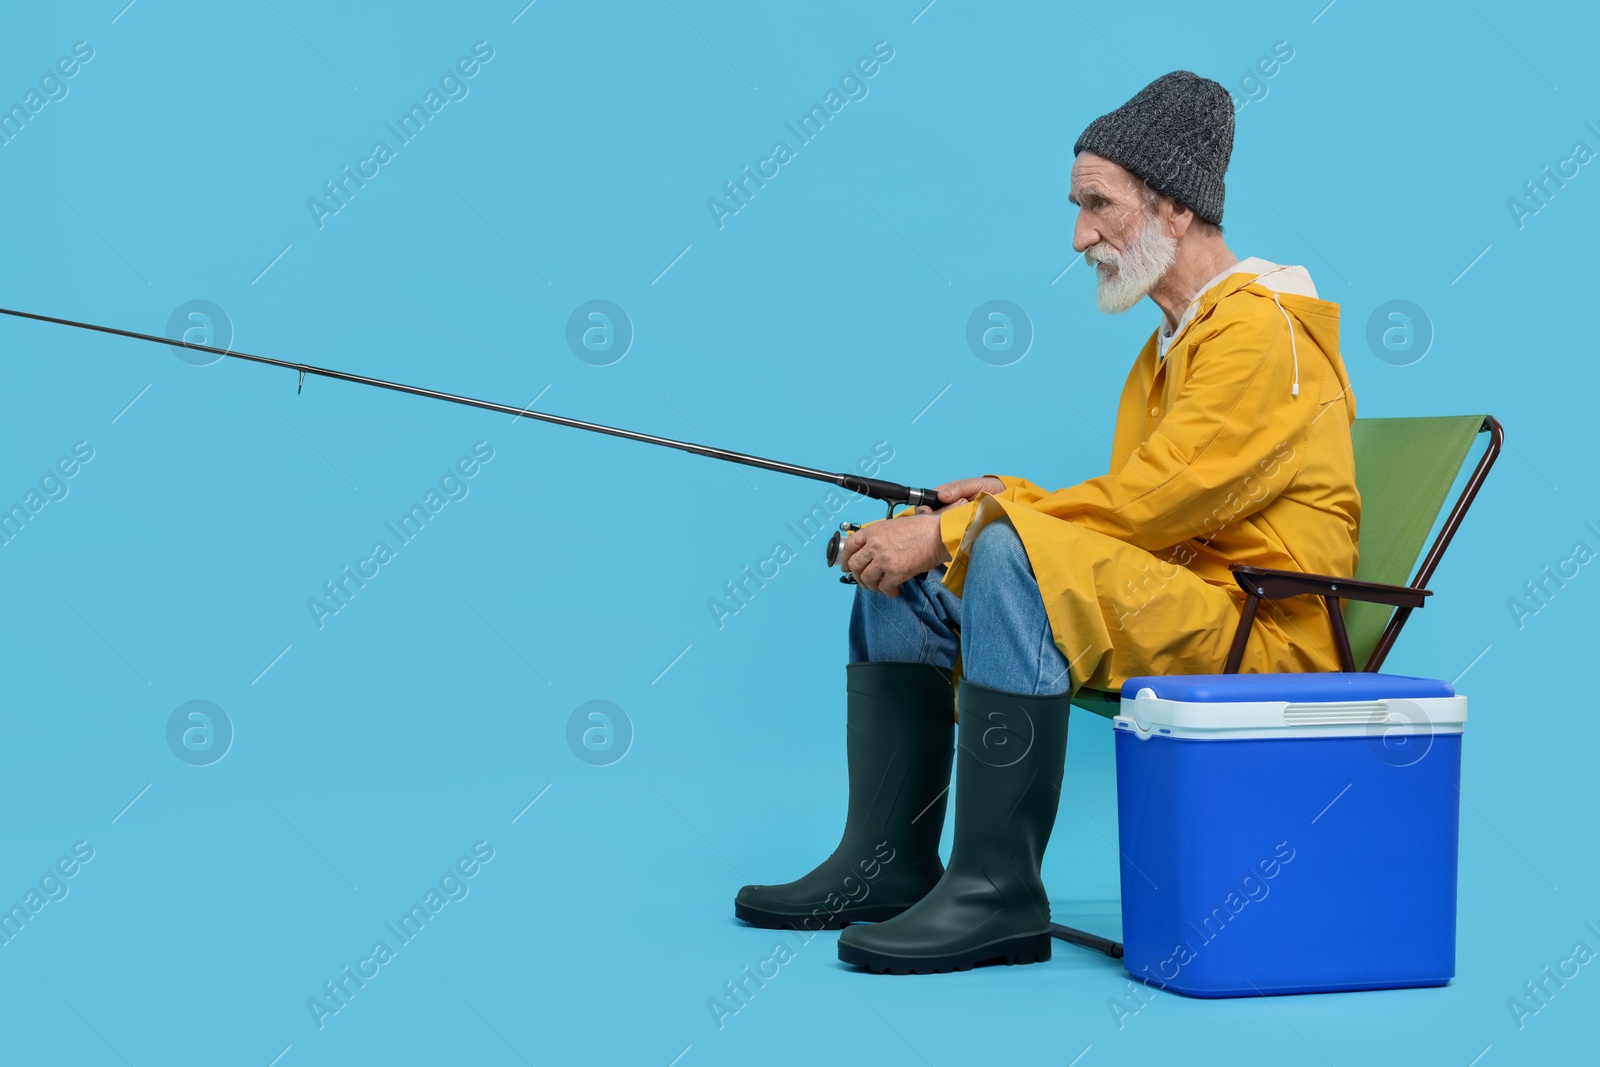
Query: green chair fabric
x,y
1404,471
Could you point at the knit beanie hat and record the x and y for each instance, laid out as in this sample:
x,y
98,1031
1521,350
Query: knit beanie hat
x,y
1176,134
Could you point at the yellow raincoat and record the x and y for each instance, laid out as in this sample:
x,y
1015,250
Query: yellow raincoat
x,y
1234,449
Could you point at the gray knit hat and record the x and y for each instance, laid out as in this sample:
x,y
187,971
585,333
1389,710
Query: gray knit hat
x,y
1176,134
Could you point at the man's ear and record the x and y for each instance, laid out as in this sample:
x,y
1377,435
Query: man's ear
x,y
1175,218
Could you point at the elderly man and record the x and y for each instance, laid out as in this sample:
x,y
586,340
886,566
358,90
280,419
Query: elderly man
x,y
1232,445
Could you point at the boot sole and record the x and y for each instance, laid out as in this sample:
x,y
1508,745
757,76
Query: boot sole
x,y
772,920
1034,948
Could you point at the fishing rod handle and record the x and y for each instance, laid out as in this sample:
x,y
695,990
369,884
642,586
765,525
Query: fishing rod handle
x,y
890,492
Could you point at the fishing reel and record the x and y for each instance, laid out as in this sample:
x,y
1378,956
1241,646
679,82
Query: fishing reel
x,y
837,541
893,495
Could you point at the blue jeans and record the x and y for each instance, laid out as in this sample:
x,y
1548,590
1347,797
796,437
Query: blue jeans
x,y
998,627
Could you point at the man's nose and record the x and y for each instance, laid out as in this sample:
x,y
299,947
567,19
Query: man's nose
x,y
1084,234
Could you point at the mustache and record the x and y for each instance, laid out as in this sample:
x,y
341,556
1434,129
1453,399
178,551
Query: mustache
x,y
1101,253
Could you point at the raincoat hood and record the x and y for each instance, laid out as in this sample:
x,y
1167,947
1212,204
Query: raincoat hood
x,y
1305,316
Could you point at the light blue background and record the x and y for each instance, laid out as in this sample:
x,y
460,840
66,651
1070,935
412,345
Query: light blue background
x,y
824,317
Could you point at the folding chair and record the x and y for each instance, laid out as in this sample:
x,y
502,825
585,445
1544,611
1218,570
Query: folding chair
x,y
1404,471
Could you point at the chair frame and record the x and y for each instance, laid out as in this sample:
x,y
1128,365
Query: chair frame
x,y
1265,583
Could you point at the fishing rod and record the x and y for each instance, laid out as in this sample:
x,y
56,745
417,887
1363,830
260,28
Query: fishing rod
x,y
891,493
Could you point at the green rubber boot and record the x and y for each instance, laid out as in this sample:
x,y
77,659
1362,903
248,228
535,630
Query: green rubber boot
x,y
990,906
900,741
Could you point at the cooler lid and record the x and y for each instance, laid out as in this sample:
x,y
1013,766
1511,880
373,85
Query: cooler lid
x,y
1305,687
1288,705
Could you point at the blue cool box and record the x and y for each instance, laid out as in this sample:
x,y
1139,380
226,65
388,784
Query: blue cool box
x,y
1288,833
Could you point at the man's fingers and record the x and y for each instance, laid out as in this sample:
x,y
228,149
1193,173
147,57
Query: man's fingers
x,y
848,549
963,490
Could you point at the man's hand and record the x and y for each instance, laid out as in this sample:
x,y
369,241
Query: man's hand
x,y
884,554
964,491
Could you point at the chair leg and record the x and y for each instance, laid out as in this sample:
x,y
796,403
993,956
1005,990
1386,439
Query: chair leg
x,y
1341,637
1242,634
1087,940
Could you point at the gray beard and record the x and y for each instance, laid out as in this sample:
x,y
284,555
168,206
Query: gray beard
x,y
1140,266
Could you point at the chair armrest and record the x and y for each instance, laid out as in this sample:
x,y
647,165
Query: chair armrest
x,y
1270,584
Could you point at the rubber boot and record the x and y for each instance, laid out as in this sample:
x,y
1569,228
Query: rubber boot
x,y
900,739
990,906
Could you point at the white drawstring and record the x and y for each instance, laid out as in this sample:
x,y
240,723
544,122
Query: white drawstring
x,y
1294,389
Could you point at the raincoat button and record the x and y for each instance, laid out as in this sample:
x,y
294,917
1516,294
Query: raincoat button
x,y
1154,412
